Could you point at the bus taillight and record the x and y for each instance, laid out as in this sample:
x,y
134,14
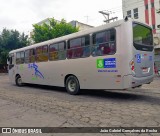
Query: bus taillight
x,y
132,66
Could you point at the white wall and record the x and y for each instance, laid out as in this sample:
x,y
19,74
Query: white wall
x,y
132,4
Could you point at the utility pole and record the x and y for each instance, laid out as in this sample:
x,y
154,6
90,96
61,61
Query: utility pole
x,y
106,15
87,18
158,12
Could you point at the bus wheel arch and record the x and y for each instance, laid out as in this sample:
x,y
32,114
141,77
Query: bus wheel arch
x,y
72,84
18,80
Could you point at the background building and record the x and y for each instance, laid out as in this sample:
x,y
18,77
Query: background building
x,y
46,21
147,11
74,23
80,25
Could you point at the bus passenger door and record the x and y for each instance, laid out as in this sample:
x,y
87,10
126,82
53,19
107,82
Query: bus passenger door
x,y
11,72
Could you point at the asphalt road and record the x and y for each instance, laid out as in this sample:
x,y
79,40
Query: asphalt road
x,y
43,106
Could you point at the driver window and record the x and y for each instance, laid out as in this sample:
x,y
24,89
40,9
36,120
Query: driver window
x,y
11,58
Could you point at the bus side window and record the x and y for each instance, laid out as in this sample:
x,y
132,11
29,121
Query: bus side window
x,y
86,46
32,56
42,53
75,50
10,59
53,52
57,51
112,41
104,43
75,47
20,57
107,36
79,48
39,54
62,51
45,52
112,35
27,56
69,51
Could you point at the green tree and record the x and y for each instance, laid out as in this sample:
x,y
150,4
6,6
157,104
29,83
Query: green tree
x,y
52,30
10,40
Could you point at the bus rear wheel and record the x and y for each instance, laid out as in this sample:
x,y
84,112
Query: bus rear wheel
x,y
72,85
19,81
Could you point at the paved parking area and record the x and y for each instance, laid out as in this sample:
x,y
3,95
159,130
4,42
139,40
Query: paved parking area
x,y
41,106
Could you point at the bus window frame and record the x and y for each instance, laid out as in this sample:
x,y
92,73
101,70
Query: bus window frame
x,y
10,59
83,36
41,54
142,47
34,50
56,43
20,58
93,44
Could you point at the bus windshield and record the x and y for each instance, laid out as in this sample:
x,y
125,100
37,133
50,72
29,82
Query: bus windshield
x,y
142,35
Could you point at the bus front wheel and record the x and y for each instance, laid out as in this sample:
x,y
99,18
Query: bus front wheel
x,y
72,85
19,80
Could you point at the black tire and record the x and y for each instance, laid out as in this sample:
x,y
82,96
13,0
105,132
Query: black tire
x,y
19,81
72,85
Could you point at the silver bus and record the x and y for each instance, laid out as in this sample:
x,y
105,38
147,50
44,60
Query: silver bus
x,y
119,55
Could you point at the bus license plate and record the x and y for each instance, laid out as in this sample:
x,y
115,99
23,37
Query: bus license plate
x,y
145,70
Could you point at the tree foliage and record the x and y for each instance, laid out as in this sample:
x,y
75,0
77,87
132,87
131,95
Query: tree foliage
x,y
10,40
52,30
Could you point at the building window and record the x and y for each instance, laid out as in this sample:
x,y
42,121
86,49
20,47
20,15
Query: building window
x,y
129,13
104,43
152,5
135,13
153,26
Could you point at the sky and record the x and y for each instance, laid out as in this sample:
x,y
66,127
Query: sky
x,y
22,14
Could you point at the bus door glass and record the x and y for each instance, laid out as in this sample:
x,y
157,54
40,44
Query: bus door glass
x,y
11,61
143,50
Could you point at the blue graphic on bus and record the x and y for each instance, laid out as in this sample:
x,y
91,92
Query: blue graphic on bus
x,y
37,72
138,58
150,58
108,71
110,63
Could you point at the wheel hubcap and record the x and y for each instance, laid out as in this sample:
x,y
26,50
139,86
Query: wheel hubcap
x,y
19,81
72,85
